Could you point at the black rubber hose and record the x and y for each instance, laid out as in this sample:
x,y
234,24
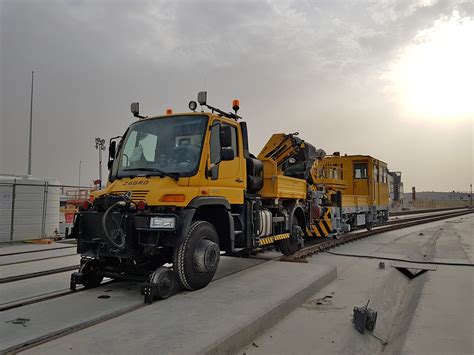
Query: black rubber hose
x,y
120,245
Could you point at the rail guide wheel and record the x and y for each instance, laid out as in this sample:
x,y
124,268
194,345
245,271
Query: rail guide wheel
x,y
162,284
88,275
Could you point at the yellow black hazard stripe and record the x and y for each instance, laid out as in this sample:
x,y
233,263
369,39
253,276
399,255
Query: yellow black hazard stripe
x,y
273,238
323,227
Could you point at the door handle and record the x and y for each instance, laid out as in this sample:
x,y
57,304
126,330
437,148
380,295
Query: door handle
x,y
239,180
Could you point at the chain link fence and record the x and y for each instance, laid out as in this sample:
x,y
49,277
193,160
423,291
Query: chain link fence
x,y
38,208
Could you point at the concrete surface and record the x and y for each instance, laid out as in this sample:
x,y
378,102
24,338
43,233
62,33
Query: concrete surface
x,y
431,314
31,288
218,319
55,315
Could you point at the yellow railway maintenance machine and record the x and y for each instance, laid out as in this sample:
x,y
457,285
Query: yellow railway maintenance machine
x,y
360,185
184,187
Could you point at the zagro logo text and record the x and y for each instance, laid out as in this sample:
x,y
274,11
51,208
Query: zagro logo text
x,y
142,182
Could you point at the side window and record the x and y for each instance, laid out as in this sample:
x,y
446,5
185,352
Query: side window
x,y
215,150
234,140
360,171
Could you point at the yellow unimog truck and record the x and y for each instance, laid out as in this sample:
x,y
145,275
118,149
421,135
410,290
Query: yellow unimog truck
x,y
184,188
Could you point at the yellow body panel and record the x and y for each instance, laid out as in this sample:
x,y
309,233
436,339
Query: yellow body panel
x,y
276,185
340,173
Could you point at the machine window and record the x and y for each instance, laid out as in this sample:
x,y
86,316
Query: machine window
x,y
215,149
234,140
170,145
360,171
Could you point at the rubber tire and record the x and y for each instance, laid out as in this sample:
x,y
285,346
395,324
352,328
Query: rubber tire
x,y
183,256
290,245
90,279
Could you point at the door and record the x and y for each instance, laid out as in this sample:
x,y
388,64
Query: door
x,y
228,177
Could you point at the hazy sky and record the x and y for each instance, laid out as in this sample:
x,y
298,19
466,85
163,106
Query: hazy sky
x,y
393,79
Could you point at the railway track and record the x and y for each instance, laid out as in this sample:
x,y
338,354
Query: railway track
x,y
39,259
91,322
403,213
37,274
301,254
37,251
298,257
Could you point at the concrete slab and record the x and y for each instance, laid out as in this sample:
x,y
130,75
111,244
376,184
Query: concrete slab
x,y
434,307
444,320
55,315
35,287
218,319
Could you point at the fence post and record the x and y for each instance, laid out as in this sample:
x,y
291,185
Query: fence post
x,y
12,221
45,206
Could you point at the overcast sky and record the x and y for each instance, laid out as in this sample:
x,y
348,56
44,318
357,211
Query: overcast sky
x,y
392,79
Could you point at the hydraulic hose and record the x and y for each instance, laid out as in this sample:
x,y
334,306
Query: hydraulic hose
x,y
119,229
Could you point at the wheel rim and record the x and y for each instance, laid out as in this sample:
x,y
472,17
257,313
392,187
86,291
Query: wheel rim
x,y
165,282
206,256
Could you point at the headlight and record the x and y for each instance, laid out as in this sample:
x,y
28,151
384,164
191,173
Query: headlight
x,y
163,222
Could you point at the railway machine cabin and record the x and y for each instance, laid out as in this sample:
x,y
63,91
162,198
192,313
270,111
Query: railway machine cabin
x,y
362,182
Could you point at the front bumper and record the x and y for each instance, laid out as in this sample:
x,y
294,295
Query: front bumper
x,y
141,238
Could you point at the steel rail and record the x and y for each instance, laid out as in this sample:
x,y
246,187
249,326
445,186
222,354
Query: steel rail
x,y
40,259
301,254
428,210
44,297
410,219
37,251
8,279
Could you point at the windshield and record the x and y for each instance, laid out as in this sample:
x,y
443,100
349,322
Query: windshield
x,y
162,146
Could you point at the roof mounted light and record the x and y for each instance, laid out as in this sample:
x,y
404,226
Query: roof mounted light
x,y
202,98
135,109
236,105
169,111
192,105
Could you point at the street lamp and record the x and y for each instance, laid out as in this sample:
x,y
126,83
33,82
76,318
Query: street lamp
x,y
100,146
80,164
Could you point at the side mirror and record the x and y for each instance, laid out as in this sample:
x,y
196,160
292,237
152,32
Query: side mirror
x,y
227,154
202,97
226,136
134,107
112,149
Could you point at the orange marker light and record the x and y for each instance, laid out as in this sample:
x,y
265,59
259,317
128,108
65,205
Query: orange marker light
x,y
169,111
173,198
235,105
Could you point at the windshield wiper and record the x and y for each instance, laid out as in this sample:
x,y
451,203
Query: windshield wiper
x,y
161,172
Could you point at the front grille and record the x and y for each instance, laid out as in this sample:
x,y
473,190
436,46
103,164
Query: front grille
x,y
137,195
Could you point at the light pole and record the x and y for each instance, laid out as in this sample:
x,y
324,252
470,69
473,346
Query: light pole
x,y
31,123
100,146
471,194
80,163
